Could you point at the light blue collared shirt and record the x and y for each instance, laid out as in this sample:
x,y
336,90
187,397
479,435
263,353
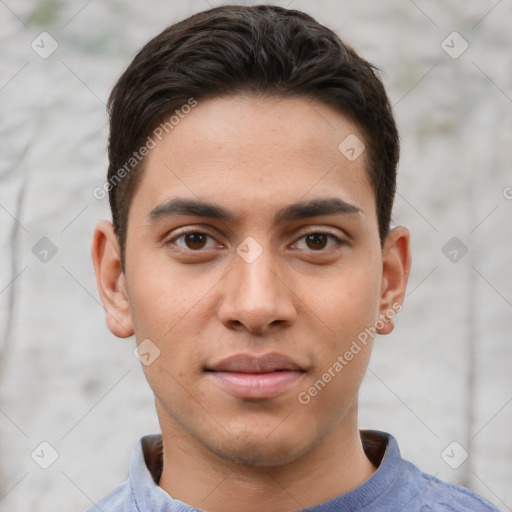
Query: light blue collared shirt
x,y
397,485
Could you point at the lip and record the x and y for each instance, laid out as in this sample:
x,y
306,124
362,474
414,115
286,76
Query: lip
x,y
257,363
256,377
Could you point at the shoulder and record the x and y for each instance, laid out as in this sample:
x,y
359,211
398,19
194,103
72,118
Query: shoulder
x,y
119,500
434,495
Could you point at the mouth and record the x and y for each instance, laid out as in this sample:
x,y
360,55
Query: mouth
x,y
256,377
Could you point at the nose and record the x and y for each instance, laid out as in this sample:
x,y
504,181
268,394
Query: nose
x,y
256,297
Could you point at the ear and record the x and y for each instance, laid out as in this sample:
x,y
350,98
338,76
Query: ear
x,y
110,279
396,264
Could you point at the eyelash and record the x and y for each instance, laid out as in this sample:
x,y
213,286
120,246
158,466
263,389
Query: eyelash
x,y
178,236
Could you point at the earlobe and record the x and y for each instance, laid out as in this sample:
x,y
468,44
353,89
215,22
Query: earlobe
x,y
396,265
111,280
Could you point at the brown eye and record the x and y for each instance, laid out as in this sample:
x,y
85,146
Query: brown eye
x,y
316,241
195,241
194,246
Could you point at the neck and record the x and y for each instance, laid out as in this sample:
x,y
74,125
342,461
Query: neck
x,y
193,474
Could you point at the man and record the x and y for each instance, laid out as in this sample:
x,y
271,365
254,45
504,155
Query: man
x,y
251,180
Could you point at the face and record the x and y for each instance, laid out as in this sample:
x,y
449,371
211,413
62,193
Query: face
x,y
253,263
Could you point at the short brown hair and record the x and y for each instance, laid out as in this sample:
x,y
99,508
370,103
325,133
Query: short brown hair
x,y
233,49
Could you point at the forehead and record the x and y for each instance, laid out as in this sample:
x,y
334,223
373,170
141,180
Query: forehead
x,y
257,153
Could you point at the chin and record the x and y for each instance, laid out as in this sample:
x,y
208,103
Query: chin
x,y
258,451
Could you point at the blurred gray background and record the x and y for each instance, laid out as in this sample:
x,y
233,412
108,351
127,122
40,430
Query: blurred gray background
x,y
441,382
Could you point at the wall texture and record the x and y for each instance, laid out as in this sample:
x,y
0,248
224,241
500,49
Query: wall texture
x,y
441,383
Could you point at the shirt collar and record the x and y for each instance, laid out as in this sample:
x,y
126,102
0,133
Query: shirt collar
x,y
145,465
147,460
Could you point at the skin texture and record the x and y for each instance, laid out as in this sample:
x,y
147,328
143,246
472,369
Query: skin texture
x,y
201,302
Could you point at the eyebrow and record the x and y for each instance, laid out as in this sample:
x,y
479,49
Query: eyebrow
x,y
316,208
295,211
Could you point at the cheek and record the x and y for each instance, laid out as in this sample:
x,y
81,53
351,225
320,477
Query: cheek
x,y
344,350
347,308
347,303
160,297
167,310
